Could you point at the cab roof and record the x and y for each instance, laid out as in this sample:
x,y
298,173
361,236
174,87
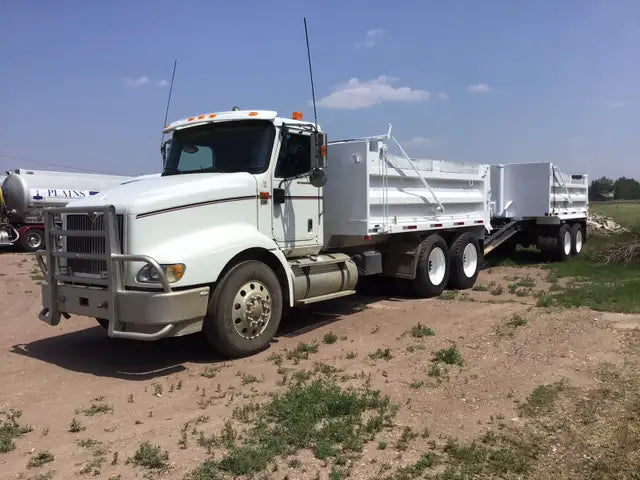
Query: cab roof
x,y
231,116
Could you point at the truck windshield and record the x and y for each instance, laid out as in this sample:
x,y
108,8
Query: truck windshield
x,y
238,146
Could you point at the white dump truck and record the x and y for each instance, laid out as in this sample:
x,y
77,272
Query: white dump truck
x,y
255,213
25,193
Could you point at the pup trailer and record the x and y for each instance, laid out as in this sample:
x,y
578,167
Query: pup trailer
x,y
255,213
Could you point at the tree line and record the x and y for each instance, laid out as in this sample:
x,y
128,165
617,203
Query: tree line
x,y
621,189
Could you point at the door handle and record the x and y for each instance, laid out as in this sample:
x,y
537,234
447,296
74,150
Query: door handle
x,y
310,225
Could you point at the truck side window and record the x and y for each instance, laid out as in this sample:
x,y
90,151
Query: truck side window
x,y
295,156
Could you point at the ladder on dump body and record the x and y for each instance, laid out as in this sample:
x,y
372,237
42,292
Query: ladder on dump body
x,y
501,235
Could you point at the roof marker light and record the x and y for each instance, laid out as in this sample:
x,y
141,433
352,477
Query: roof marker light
x,y
296,115
212,115
253,114
191,119
200,117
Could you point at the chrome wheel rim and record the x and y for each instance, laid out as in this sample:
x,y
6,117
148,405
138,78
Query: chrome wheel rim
x,y
469,260
578,241
437,266
33,240
251,309
567,243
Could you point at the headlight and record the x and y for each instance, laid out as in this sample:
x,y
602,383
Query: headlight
x,y
149,274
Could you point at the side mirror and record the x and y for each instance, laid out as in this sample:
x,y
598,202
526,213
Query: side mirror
x,y
318,150
164,149
318,178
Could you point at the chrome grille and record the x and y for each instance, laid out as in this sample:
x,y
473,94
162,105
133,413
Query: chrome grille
x,y
89,244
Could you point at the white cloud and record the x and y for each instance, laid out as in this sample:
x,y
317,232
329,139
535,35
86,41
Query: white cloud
x,y
479,88
356,94
162,83
443,95
617,104
418,142
371,38
419,146
136,81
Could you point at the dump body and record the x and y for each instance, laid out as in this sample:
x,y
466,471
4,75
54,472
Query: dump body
x,y
371,192
531,190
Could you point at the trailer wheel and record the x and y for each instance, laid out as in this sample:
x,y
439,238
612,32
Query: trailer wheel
x,y
432,271
33,240
465,262
244,311
564,244
577,239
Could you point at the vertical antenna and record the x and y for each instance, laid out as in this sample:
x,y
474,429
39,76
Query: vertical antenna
x,y
313,92
166,112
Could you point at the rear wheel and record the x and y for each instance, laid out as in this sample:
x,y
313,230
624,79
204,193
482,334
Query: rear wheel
x,y
577,239
244,311
564,244
33,240
432,271
465,262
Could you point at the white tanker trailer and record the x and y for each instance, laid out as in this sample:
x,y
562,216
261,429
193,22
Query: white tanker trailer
x,y
25,193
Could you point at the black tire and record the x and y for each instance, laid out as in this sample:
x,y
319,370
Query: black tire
x,y
561,252
458,277
33,240
231,333
423,285
577,239
103,322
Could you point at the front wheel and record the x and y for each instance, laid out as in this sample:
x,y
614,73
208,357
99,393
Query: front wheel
x,y
432,271
33,240
244,311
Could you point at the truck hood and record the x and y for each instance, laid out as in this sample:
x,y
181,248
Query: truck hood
x,y
173,191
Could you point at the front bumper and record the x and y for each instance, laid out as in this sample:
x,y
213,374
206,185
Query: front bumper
x,y
137,315
132,314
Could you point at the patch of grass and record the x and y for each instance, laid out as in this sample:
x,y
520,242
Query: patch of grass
x,y
10,429
351,355
320,416
76,426
329,338
415,348
523,292
88,443
517,321
302,351
301,375
210,371
417,384
325,369
492,457
403,442
435,371
248,379
415,470
96,409
497,290
44,476
150,457
545,301
157,389
448,295
542,399
479,287
450,356
382,445
40,459
381,354
419,331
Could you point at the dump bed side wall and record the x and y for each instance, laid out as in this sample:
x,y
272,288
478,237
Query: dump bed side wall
x,y
372,193
525,190
569,195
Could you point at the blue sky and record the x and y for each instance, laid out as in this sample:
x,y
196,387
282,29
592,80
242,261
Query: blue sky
x,y
84,84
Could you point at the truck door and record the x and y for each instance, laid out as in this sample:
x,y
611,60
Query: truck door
x,y
295,221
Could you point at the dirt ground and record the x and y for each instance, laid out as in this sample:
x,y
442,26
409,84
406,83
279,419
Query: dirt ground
x,y
151,390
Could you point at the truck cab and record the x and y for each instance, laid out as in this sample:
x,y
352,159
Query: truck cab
x,y
210,244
